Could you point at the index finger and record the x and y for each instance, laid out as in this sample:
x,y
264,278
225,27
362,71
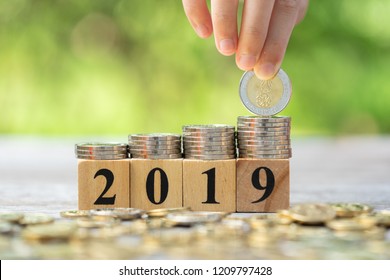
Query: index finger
x,y
198,15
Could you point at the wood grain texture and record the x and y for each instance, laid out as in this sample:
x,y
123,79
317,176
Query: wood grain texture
x,y
247,193
141,169
91,188
195,184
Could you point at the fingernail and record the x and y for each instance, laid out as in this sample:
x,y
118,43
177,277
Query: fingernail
x,y
247,61
202,30
266,71
227,46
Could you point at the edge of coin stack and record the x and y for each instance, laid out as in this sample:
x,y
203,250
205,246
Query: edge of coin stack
x,y
209,142
101,151
155,146
264,137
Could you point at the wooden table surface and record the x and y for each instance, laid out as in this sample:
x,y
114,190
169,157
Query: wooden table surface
x,y
40,175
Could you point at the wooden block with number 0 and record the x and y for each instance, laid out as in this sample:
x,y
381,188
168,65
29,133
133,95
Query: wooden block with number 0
x,y
103,183
156,183
209,185
263,185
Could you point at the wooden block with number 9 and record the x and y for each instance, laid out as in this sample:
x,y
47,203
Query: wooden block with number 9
x,y
263,185
103,183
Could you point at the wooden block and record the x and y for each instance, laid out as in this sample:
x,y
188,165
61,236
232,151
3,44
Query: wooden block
x,y
103,183
263,185
209,185
156,183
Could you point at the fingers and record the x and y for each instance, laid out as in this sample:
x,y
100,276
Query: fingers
x,y
254,27
283,19
224,18
199,17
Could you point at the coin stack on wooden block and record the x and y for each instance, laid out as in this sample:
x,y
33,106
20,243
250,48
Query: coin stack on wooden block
x,y
202,172
157,166
103,175
209,167
264,147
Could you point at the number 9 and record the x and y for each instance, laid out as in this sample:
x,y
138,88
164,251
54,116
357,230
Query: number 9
x,y
269,186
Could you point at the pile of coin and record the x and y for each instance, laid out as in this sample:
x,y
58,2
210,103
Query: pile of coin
x,y
264,137
155,146
101,151
209,142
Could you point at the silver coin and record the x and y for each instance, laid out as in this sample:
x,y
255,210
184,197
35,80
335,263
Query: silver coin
x,y
260,119
158,140
264,156
263,133
102,157
265,152
171,156
101,153
262,143
210,157
169,148
208,139
190,145
263,126
148,155
208,127
205,153
210,148
265,97
154,143
263,138
264,148
155,136
208,134
97,146
155,151
285,129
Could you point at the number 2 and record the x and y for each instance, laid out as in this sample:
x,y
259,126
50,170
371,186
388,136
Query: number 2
x,y
101,200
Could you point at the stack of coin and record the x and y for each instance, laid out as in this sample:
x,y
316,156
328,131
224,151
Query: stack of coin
x,y
155,146
101,151
209,142
264,137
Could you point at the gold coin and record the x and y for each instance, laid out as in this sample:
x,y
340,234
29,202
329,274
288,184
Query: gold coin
x,y
12,217
310,213
351,209
120,213
97,221
188,218
75,213
5,228
265,97
35,219
54,231
382,218
162,212
350,224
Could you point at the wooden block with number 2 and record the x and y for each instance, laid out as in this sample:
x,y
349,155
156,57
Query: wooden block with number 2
x,y
104,184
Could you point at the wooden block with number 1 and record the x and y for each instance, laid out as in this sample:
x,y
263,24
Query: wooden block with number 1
x,y
103,184
209,185
263,185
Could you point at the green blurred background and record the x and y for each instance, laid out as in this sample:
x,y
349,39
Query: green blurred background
x,y
98,67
